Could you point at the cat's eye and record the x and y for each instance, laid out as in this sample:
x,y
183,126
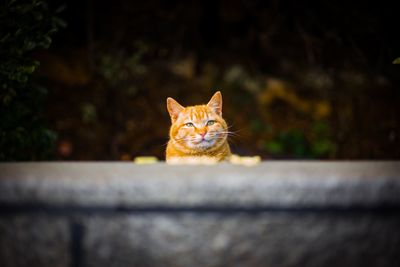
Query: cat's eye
x,y
189,124
211,122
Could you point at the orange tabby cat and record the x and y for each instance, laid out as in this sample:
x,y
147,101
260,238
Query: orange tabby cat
x,y
198,131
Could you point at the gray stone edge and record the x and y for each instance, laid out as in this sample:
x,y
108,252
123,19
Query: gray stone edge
x,y
270,184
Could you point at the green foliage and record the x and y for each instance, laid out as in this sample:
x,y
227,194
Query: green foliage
x,y
396,61
89,112
294,143
26,25
118,67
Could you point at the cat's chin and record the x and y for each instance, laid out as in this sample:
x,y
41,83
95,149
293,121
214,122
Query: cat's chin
x,y
202,145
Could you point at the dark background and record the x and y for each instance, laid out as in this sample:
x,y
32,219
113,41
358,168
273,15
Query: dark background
x,y
300,79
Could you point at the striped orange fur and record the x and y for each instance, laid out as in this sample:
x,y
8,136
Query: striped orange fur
x,y
198,131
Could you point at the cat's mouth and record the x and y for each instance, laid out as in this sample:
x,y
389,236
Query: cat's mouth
x,y
203,143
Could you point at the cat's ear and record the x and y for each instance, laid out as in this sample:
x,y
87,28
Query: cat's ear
x,y
174,108
216,103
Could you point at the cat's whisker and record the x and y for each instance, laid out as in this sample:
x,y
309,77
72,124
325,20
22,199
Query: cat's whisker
x,y
182,141
238,130
230,133
223,136
165,144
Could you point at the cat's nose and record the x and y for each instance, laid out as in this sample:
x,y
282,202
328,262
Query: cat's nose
x,y
203,134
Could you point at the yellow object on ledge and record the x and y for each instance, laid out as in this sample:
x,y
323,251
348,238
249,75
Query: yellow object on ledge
x,y
145,160
246,161
234,159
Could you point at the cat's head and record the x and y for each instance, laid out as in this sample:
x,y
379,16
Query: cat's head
x,y
197,128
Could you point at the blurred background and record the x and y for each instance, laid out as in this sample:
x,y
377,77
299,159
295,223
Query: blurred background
x,y
88,80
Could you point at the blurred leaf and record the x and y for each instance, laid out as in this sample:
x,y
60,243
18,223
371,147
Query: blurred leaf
x,y
274,147
320,128
396,61
256,126
323,147
89,113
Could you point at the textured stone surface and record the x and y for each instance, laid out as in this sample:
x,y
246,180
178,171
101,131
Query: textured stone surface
x,y
274,214
263,240
34,240
271,183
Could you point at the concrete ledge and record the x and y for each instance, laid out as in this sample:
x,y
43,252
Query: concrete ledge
x,y
288,184
273,214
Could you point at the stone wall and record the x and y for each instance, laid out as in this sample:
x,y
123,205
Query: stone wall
x,y
273,214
